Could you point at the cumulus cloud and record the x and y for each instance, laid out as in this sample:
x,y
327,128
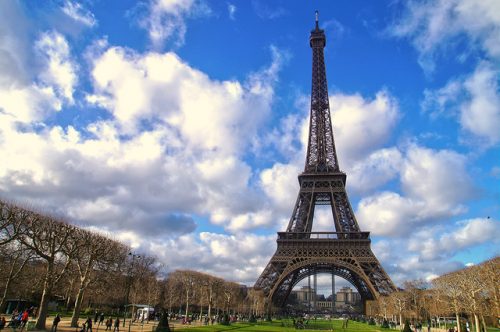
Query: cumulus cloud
x,y
119,173
135,88
433,25
361,125
474,100
238,258
435,244
60,69
374,171
432,200
480,114
25,94
430,252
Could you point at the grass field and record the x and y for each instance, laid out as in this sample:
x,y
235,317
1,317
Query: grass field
x,y
286,325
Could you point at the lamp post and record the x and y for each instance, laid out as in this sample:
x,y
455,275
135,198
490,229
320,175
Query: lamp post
x,y
129,285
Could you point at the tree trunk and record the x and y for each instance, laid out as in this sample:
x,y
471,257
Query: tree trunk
x,y
6,290
476,322
187,304
68,293
458,322
209,309
44,302
78,306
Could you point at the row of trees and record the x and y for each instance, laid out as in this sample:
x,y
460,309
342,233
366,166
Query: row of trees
x,y
473,292
44,258
202,292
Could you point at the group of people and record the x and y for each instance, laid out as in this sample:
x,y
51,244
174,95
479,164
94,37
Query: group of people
x,y
19,320
87,325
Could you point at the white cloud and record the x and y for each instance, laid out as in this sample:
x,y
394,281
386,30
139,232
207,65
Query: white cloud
x,y
429,180
429,252
480,115
433,25
238,258
78,13
60,69
135,88
377,169
474,100
389,214
444,171
435,244
28,103
281,186
25,95
264,11
187,162
361,125
231,9
166,19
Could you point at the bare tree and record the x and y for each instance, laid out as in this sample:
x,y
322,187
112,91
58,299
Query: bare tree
x,y
93,251
11,217
399,301
489,272
450,289
15,257
51,241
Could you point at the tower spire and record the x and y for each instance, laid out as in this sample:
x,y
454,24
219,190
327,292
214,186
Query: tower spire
x,y
321,154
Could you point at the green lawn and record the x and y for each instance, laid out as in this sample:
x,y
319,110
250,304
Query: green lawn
x,y
286,325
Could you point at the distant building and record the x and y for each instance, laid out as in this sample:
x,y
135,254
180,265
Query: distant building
x,y
345,298
305,294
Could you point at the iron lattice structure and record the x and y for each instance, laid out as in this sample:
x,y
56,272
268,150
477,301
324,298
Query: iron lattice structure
x,y
300,252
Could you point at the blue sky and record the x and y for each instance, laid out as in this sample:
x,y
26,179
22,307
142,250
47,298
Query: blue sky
x,y
179,127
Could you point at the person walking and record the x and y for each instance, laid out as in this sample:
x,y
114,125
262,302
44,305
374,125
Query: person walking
x,y
55,322
3,323
101,318
117,325
88,323
24,319
109,323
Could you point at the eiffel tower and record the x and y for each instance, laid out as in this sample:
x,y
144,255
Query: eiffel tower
x,y
301,253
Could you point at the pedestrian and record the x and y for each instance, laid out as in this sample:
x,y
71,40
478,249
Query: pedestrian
x,y
55,322
88,323
117,325
24,318
96,316
3,322
101,318
109,323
